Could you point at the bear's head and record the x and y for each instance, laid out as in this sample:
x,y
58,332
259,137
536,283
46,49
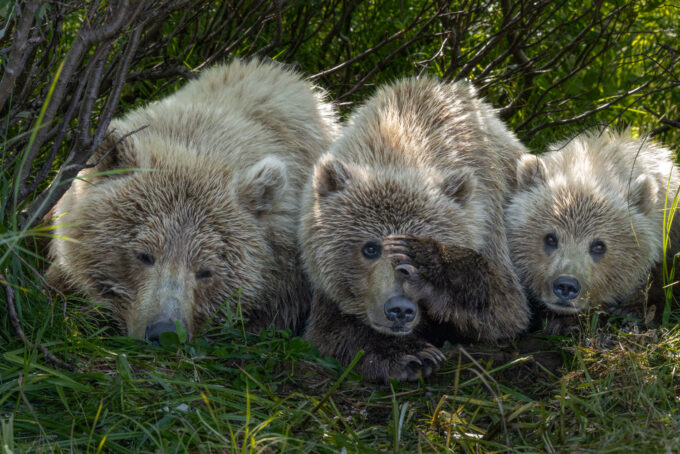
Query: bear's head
x,y
580,234
352,207
168,235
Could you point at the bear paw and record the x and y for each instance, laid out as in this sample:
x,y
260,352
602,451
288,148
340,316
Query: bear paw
x,y
416,258
403,366
433,275
429,259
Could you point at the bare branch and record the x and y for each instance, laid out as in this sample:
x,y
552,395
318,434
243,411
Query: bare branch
x,y
20,50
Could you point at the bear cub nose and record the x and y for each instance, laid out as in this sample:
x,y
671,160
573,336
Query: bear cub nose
x,y
153,331
400,310
566,287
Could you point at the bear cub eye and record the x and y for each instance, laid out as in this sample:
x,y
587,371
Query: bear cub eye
x,y
371,250
598,247
203,274
550,241
146,259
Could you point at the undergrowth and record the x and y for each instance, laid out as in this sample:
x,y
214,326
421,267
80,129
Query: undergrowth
x,y
229,391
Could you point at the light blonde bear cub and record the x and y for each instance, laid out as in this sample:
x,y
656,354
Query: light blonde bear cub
x,y
209,211
585,227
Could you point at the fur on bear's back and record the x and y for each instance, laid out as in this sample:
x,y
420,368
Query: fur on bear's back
x,y
254,104
420,122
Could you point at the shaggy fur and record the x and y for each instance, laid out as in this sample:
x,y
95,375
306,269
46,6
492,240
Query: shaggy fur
x,y
209,212
599,187
421,171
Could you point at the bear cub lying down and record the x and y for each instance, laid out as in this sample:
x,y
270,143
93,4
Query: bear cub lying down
x,y
208,204
402,230
585,226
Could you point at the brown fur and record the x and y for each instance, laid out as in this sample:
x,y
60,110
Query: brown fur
x,y
597,187
429,160
210,213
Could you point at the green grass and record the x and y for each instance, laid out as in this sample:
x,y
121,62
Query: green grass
x,y
612,391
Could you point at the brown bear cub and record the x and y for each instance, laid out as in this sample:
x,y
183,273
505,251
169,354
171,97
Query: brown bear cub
x,y
402,230
194,201
585,227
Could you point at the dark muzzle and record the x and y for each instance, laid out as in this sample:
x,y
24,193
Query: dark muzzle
x,y
164,325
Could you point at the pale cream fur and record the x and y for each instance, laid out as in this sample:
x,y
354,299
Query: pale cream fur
x,y
603,186
222,163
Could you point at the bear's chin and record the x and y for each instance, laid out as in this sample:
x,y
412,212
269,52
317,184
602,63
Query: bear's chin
x,y
566,308
392,330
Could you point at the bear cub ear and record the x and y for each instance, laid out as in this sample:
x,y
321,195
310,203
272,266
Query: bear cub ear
x,y
530,170
644,193
115,152
262,185
330,175
459,186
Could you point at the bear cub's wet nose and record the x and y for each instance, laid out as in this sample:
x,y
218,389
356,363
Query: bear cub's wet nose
x,y
400,310
566,287
153,331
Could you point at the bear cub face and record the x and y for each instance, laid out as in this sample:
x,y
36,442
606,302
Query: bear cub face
x,y
355,208
163,246
579,233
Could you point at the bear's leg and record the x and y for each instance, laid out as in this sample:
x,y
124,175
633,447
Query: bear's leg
x,y
561,325
459,286
342,336
286,311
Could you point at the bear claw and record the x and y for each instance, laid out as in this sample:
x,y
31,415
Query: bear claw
x,y
406,270
412,359
424,363
400,258
405,366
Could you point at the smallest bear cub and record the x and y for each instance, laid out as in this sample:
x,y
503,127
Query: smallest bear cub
x,y
193,202
585,226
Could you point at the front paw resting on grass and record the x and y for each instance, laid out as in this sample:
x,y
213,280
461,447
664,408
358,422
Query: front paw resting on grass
x,y
403,364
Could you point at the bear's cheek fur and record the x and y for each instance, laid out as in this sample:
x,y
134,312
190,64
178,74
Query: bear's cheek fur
x,y
369,284
603,282
359,286
172,291
181,246
141,295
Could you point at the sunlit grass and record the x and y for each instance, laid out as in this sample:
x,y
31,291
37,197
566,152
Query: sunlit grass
x,y
224,392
